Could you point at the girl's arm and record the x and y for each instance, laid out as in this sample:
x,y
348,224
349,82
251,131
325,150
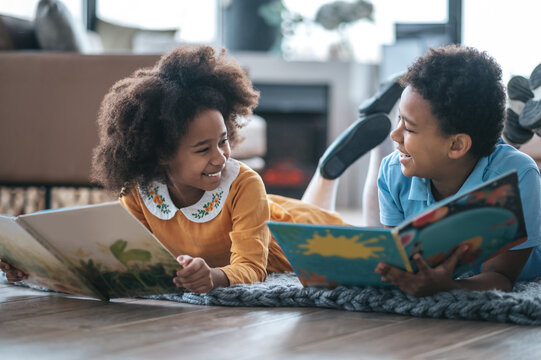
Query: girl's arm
x,y
250,237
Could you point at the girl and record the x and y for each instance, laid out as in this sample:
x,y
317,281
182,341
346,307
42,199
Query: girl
x,y
165,141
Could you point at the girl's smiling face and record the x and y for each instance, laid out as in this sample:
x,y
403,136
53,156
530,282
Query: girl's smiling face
x,y
200,159
423,147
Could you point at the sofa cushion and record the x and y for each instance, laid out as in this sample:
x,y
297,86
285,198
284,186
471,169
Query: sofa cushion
x,y
16,34
56,29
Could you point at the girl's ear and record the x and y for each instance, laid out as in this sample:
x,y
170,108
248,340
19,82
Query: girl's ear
x,y
460,145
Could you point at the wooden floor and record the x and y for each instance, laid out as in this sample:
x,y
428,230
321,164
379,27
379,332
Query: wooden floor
x,y
43,325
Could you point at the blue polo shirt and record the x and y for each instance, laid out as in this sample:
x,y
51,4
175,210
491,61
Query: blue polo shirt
x,y
402,197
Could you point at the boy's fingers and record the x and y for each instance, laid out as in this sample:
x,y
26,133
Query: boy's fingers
x,y
395,276
451,261
421,263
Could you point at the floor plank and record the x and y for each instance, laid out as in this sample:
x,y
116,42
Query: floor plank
x,y
40,325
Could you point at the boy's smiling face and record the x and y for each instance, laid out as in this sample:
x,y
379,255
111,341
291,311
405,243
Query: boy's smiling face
x,y
424,148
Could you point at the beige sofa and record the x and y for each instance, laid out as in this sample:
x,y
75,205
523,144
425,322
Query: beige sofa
x,y
48,107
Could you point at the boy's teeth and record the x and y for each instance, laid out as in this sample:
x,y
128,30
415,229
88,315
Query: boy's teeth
x,y
215,174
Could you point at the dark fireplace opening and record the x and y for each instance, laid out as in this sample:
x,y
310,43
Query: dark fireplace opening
x,y
296,117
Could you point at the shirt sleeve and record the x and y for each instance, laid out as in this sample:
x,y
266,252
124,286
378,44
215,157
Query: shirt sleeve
x,y
530,196
133,204
390,212
250,236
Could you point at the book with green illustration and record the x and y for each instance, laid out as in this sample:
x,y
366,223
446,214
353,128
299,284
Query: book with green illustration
x,y
488,218
100,251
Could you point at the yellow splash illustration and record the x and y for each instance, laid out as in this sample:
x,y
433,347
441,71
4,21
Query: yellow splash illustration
x,y
349,248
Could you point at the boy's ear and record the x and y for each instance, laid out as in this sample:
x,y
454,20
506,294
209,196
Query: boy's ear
x,y
460,145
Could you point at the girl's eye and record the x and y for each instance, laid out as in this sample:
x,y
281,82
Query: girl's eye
x,y
224,141
202,150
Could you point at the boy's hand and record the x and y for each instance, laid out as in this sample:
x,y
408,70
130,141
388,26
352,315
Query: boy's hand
x,y
12,274
195,275
427,281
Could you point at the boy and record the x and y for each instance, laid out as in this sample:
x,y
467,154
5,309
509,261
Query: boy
x,y
450,121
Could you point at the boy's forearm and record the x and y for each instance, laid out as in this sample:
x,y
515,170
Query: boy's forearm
x,y
484,281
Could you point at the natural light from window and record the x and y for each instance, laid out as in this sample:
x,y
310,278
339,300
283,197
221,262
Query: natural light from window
x,y
506,30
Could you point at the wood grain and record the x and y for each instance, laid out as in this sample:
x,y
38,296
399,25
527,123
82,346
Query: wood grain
x,y
44,325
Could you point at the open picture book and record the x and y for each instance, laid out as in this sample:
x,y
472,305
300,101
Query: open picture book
x,y
100,251
488,218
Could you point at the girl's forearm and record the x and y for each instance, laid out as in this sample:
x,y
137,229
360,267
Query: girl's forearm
x,y
219,279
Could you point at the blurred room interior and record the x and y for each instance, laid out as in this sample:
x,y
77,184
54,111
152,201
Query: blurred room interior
x,y
313,69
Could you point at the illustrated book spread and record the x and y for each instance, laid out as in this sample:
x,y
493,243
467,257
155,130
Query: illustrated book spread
x,y
488,218
100,251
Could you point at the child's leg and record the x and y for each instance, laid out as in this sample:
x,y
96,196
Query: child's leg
x,y
321,192
370,202
371,129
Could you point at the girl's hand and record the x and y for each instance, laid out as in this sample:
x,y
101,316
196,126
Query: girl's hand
x,y
427,281
12,274
195,275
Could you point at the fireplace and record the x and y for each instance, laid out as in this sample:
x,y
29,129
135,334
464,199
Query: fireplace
x,y
297,117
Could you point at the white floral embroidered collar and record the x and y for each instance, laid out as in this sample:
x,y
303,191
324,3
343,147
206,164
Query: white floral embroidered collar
x,y
158,202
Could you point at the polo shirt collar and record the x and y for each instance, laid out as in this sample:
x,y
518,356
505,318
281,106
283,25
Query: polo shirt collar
x,y
420,189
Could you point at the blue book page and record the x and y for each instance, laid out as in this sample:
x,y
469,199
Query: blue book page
x,y
488,219
328,256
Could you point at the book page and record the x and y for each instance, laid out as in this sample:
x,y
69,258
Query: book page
x,y
110,247
327,255
21,250
488,218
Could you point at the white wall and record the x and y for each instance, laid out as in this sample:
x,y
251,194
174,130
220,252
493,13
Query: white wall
x,y
349,84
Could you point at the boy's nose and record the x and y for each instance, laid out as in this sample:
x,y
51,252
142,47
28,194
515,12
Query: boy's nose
x,y
396,134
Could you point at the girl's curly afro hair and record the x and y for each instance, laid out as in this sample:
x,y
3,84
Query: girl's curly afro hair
x,y
143,117
465,91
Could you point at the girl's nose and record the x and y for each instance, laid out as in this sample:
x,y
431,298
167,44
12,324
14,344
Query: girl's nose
x,y
220,157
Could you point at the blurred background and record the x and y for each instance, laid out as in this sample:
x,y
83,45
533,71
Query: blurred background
x,y
313,61
507,30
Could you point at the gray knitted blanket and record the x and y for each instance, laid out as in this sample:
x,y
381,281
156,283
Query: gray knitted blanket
x,y
522,306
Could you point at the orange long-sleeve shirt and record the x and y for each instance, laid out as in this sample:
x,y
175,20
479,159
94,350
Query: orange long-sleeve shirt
x,y
236,240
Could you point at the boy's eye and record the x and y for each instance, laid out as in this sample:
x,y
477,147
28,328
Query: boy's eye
x,y
202,150
224,141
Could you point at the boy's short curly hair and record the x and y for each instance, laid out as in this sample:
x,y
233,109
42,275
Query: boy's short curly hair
x,y
465,91
144,116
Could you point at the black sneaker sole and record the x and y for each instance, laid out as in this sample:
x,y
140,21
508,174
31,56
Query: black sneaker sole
x,y
513,133
361,137
530,116
518,88
535,77
384,100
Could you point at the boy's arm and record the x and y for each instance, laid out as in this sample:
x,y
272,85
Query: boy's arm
x,y
499,273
